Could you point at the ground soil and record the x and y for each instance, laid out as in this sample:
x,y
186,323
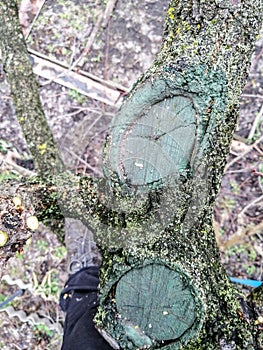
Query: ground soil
x,y
121,52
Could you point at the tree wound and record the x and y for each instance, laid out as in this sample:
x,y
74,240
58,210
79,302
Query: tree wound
x,y
158,302
159,143
165,128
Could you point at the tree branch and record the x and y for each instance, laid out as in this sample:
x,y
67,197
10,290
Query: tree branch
x,y
24,92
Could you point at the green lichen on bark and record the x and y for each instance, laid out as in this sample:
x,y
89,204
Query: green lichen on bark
x,y
217,33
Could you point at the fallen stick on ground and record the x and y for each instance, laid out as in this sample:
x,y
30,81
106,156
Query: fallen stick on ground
x,y
76,81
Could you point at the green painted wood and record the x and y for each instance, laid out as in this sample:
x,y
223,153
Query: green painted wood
x,y
164,137
162,130
156,301
158,143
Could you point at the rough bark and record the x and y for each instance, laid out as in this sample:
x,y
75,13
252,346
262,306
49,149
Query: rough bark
x,y
24,92
198,76
162,283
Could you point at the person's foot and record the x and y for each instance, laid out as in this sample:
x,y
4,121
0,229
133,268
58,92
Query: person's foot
x,y
82,250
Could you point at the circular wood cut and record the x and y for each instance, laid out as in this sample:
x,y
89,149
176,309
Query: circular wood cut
x,y
157,301
156,144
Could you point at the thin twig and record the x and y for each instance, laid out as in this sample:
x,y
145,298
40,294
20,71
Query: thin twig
x,y
76,112
249,149
89,44
252,96
106,61
109,114
243,170
17,347
93,123
96,171
258,173
258,150
260,183
240,139
62,74
250,204
255,61
102,18
79,109
34,20
239,238
255,123
73,52
109,9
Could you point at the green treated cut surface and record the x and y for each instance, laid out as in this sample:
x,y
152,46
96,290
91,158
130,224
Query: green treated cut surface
x,y
163,130
157,144
157,301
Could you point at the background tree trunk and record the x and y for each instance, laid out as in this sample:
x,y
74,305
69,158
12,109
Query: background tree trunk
x,y
162,283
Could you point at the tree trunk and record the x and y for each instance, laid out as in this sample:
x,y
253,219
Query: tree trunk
x,y
162,282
